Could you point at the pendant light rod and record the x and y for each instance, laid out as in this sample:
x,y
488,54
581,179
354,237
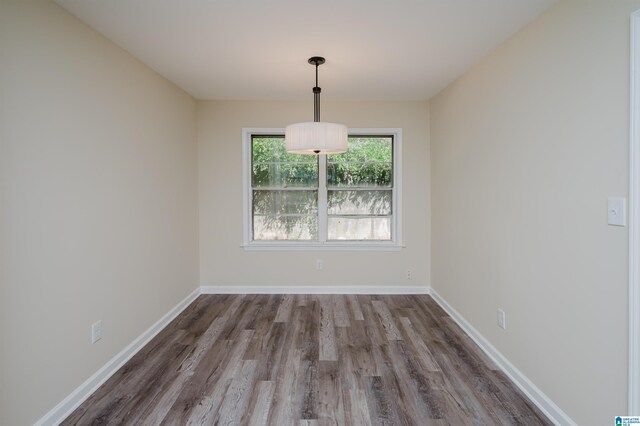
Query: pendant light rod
x,y
317,137
317,61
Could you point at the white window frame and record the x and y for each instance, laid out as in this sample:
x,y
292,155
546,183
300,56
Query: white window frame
x,y
395,244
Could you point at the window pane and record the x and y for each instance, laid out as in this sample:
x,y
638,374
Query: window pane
x,y
378,149
285,175
371,203
359,228
273,167
285,202
272,148
369,162
359,174
272,227
282,214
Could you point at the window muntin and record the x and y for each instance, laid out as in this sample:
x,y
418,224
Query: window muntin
x,y
347,201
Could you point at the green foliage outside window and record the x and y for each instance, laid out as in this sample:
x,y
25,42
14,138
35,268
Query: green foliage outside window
x,y
274,167
367,163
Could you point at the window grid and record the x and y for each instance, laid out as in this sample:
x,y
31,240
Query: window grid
x,y
325,190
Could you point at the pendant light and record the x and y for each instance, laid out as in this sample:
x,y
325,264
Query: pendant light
x,y
316,137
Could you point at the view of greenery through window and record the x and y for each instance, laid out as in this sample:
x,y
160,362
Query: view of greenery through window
x,y
285,192
358,185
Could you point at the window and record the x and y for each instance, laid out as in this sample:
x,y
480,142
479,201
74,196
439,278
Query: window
x,y
347,201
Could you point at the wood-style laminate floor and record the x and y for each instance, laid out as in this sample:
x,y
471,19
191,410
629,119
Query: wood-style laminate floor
x,y
309,360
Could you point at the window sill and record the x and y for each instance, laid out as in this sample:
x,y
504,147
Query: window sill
x,y
290,246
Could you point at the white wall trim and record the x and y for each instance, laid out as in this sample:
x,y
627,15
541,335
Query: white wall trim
x,y
543,402
634,220
79,395
82,392
301,246
313,289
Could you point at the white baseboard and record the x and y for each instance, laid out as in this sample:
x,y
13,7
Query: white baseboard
x,y
542,401
315,289
78,396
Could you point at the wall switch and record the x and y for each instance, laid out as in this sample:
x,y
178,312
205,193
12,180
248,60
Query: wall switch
x,y
96,331
319,264
616,211
502,319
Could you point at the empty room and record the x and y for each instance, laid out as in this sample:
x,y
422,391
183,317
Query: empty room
x,y
356,212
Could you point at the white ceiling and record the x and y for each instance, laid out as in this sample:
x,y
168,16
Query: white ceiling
x,y
258,49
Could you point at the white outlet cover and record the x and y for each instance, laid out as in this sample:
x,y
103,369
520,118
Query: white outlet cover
x,y
616,211
502,319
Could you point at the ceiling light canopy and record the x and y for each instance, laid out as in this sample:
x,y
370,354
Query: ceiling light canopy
x,y
316,137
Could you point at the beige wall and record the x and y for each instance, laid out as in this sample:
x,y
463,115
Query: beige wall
x,y
222,259
526,148
99,203
99,190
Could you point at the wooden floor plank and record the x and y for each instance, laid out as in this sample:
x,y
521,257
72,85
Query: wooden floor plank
x,y
210,401
259,412
330,402
380,402
386,319
284,310
186,369
328,350
340,311
234,405
424,354
354,305
309,360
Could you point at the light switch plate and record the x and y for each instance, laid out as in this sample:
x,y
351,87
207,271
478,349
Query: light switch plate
x,y
616,211
96,331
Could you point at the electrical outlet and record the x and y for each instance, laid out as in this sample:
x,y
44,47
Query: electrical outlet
x,y
96,331
319,264
408,275
616,211
502,319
